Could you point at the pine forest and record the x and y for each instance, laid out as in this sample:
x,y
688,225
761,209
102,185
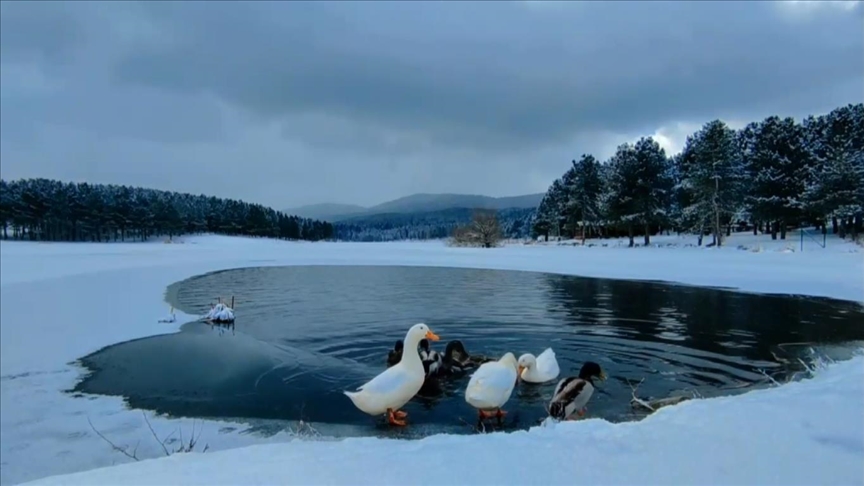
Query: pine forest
x,y
767,177
49,210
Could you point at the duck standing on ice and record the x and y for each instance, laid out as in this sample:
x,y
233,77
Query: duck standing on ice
x,y
395,386
572,393
491,385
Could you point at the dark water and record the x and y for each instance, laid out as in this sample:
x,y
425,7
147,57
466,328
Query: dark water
x,y
304,334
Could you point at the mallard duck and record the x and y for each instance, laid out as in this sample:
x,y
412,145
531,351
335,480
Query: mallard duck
x,y
541,369
478,359
572,393
491,386
395,354
456,359
395,386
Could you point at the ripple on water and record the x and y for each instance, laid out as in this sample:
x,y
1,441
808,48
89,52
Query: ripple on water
x,y
305,334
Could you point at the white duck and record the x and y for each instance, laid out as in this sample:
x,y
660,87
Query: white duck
x,y
491,385
541,369
395,386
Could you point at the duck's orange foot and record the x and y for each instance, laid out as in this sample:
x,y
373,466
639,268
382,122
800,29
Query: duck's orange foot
x,y
499,414
581,413
486,415
395,419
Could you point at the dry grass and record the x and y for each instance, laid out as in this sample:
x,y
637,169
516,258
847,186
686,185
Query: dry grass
x,y
132,453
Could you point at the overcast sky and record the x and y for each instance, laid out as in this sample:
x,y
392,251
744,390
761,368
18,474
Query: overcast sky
x,y
290,103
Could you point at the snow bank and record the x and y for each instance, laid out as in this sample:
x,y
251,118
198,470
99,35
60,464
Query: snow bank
x,y
807,432
747,241
44,431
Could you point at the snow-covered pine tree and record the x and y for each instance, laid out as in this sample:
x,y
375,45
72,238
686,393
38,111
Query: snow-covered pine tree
x,y
745,143
694,214
779,166
606,198
653,185
568,206
544,217
6,200
558,200
621,199
677,200
835,186
586,191
712,178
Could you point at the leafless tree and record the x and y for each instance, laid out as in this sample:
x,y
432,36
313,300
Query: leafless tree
x,y
484,230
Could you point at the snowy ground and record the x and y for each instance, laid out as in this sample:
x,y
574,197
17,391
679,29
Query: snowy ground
x,y
62,301
812,241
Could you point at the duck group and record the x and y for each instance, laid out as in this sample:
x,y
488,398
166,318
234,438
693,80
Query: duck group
x,y
412,366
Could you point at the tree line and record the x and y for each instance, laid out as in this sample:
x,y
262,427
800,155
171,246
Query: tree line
x,y
427,225
49,210
768,176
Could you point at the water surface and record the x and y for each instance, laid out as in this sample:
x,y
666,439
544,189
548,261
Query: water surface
x,y
304,334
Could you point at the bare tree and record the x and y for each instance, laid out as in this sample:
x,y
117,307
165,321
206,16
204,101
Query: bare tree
x,y
485,223
484,230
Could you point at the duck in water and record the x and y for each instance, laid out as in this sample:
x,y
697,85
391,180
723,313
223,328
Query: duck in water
x,y
454,361
395,354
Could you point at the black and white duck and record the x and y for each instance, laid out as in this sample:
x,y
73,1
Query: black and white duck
x,y
454,361
434,359
573,392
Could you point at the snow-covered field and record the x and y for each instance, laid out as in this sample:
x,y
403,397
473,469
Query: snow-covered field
x,y
62,301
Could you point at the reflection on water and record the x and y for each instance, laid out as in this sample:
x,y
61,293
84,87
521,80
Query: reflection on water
x,y
304,334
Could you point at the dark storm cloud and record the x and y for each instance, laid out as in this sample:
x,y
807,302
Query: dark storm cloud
x,y
396,95
477,73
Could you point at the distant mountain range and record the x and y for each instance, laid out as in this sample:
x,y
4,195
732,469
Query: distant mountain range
x,y
417,203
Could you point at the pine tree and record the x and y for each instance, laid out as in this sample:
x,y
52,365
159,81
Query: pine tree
x,y
653,185
712,178
568,207
678,198
745,144
558,201
779,166
544,217
835,186
586,191
621,200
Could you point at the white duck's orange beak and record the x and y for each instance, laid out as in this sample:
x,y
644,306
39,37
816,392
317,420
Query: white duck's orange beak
x,y
432,336
519,372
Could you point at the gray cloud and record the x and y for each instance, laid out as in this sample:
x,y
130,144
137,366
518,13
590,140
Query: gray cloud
x,y
382,99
